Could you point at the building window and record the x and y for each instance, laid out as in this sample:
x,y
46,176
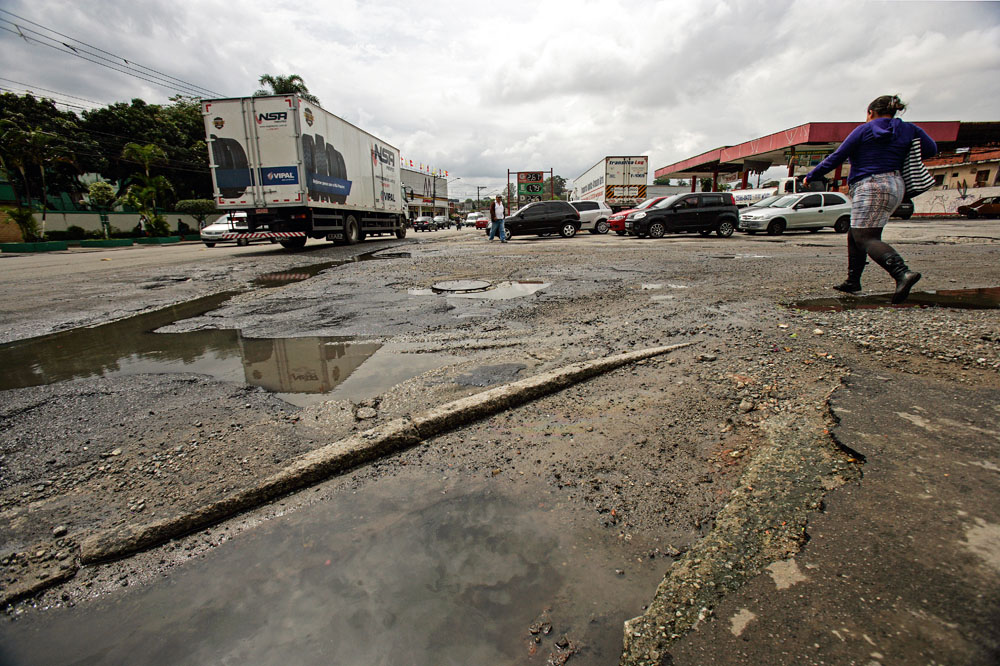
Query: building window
x,y
939,180
982,177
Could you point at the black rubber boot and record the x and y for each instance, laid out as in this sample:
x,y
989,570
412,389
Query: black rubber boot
x,y
904,277
856,261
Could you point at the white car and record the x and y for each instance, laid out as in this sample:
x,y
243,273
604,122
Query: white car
x,y
230,223
806,210
593,215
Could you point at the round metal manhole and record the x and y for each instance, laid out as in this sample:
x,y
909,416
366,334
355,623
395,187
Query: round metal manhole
x,y
460,286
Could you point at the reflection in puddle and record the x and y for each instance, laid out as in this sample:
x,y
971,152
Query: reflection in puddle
x,y
300,273
501,291
987,298
299,370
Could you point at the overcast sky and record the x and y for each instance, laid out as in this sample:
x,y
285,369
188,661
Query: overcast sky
x,y
478,88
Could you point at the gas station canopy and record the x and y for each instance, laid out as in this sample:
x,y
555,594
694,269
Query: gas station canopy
x,y
807,144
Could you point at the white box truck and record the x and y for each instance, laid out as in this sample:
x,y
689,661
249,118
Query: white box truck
x,y
620,182
300,172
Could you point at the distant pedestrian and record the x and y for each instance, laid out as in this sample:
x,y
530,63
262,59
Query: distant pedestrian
x,y
497,214
876,151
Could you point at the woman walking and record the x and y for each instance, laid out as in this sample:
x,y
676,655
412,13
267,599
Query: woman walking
x,y
876,151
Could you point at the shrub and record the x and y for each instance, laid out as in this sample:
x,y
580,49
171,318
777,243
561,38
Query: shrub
x,y
74,232
25,220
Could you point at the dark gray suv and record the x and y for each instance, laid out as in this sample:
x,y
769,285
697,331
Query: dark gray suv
x,y
544,217
703,212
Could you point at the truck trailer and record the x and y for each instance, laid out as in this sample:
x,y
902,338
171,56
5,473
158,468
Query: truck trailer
x,y
300,172
620,182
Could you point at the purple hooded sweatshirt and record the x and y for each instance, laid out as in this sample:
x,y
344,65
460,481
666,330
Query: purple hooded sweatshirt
x,y
878,146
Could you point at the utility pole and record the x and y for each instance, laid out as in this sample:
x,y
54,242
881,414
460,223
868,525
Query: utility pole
x,y
478,187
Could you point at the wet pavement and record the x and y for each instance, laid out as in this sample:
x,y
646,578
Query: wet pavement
x,y
409,570
986,298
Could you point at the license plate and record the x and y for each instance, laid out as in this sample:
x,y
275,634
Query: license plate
x,y
261,211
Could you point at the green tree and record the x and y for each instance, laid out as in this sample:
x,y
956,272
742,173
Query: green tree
x,y
285,85
199,209
556,185
662,180
24,218
101,195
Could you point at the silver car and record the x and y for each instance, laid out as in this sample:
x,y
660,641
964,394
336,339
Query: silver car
x,y
806,210
593,215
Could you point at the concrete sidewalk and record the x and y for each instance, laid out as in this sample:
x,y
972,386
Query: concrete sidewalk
x,y
902,567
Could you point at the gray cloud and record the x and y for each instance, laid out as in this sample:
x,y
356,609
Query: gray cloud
x,y
478,89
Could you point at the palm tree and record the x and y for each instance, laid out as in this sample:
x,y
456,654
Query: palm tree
x,y
285,85
151,186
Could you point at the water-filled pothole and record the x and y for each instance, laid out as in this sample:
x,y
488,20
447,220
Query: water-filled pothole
x,y
987,298
300,370
301,273
498,292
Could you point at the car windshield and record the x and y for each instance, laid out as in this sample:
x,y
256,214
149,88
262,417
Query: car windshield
x,y
785,202
646,204
669,201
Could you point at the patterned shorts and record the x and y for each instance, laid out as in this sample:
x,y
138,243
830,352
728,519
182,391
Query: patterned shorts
x,y
873,199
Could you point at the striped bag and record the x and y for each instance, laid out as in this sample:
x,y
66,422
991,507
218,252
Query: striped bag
x,y
916,177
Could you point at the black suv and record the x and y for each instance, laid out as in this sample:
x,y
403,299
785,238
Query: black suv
x,y
703,212
544,217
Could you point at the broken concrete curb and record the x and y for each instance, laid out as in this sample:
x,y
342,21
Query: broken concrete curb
x,y
324,462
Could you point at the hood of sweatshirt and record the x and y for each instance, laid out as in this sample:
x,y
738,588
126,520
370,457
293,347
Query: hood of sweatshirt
x,y
885,129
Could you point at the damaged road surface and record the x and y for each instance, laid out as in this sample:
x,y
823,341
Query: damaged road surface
x,y
656,509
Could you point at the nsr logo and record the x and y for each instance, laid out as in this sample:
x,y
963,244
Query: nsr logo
x,y
383,155
272,116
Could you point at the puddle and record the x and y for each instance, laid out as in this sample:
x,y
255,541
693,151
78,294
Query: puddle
x,y
301,273
441,570
987,298
741,256
497,292
301,370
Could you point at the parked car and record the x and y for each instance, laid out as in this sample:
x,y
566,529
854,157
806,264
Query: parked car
x,y
616,222
765,202
441,222
703,212
477,220
424,223
544,217
806,210
985,207
593,215
230,223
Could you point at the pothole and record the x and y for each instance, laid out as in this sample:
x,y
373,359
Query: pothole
x,y
987,298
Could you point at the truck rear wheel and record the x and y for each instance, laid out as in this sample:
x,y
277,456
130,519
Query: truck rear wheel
x,y
352,233
401,232
293,243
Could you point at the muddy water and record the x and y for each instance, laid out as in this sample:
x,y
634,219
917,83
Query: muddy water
x,y
402,571
987,298
300,370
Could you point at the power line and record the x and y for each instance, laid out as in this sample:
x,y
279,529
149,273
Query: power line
x,y
62,47
30,88
115,56
54,101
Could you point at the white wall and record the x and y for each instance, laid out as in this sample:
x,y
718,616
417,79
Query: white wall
x,y
120,221
946,202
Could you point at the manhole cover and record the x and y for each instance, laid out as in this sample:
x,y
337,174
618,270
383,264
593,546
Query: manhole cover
x,y
460,286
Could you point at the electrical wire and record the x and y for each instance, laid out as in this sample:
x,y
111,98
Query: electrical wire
x,y
116,57
62,47
30,87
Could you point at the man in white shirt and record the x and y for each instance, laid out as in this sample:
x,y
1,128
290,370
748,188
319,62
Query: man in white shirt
x,y
496,220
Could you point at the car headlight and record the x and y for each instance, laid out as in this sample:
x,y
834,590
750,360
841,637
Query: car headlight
x,y
638,216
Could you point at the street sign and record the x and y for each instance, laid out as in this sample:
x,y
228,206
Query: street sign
x,y
530,177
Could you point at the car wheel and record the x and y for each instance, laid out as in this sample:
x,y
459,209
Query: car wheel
x,y
725,229
972,214
568,230
776,228
656,230
603,227
209,244
906,216
507,233
242,242
293,243
842,224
